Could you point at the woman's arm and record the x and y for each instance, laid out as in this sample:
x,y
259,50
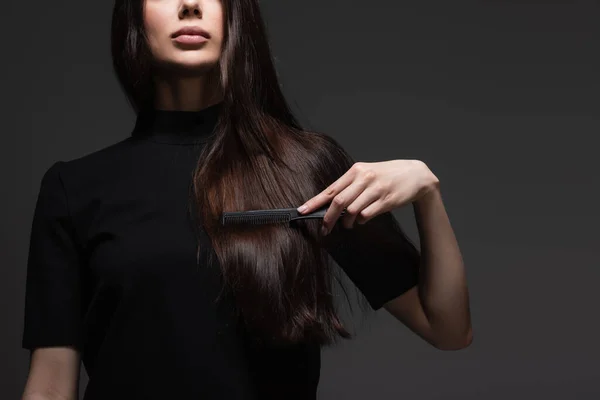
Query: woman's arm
x,y
438,308
53,374
52,328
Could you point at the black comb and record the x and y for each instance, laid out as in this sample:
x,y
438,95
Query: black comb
x,y
270,216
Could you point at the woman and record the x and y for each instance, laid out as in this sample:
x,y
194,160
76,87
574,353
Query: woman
x,y
161,301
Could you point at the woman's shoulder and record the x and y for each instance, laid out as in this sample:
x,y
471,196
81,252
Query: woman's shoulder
x,y
100,157
88,171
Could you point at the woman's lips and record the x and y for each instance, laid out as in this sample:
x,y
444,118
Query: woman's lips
x,y
190,39
192,35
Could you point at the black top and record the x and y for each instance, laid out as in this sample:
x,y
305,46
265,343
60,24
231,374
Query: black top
x,y
113,271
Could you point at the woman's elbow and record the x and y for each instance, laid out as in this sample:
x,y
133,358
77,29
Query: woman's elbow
x,y
448,343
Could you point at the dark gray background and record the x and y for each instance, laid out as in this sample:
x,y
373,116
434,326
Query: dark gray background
x,y
499,98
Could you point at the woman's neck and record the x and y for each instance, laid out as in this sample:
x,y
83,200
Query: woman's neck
x,y
186,93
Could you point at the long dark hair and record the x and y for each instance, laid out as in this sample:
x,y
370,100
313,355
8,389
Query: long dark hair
x,y
280,276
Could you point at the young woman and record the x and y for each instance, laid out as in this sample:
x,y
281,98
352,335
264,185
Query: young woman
x,y
131,271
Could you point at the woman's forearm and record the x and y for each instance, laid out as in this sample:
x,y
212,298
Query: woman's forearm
x,y
443,286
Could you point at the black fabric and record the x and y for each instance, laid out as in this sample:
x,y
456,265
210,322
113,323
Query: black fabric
x,y
377,257
113,271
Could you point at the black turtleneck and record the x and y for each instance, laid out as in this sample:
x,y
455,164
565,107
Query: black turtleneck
x,y
177,127
113,270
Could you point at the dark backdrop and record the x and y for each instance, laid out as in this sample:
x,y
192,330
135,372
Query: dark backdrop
x,y
499,98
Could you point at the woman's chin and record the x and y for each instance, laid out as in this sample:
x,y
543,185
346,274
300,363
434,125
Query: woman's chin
x,y
191,65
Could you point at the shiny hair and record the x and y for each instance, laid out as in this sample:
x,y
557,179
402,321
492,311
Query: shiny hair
x,y
280,276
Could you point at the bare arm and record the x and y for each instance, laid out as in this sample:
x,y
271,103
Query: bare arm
x,y
438,310
53,374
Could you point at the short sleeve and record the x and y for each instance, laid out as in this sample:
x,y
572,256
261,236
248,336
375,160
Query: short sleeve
x,y
52,314
377,256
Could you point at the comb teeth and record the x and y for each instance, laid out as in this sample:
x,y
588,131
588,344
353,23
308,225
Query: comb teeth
x,y
270,216
257,217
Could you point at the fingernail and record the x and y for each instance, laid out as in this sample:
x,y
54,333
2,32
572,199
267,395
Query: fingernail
x,y
302,208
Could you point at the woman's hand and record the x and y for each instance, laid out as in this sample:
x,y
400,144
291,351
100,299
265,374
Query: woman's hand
x,y
369,189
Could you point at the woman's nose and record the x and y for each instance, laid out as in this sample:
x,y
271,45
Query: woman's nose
x,y
189,7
